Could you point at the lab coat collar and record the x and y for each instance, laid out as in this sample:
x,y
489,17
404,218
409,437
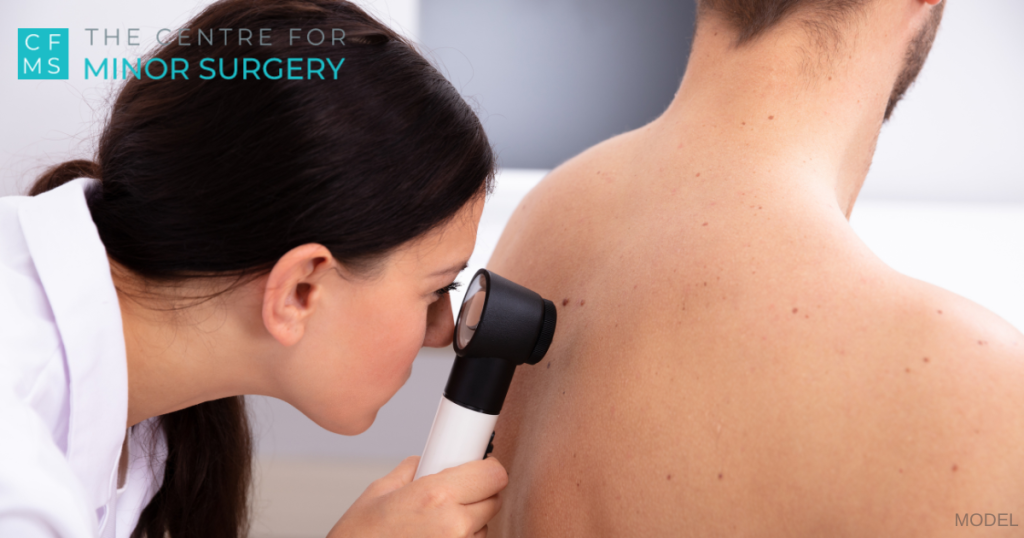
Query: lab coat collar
x,y
72,265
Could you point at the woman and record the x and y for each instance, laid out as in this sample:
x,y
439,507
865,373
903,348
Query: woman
x,y
291,238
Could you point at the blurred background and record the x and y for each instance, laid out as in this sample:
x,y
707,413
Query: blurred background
x,y
944,201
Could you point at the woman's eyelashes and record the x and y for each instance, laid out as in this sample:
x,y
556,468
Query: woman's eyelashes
x,y
447,289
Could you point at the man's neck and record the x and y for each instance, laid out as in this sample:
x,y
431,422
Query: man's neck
x,y
779,110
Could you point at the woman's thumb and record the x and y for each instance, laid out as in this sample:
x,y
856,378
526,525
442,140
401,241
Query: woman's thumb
x,y
398,477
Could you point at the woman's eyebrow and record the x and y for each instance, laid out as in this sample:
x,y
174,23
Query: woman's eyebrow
x,y
457,268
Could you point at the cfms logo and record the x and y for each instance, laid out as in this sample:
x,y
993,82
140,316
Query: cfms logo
x,y
43,54
986,520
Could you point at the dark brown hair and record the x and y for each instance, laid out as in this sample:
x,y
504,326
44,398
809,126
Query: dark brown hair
x,y
223,177
752,18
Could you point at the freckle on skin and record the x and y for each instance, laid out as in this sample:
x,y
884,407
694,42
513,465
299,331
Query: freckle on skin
x,y
926,359
771,117
795,310
719,476
955,467
908,370
565,302
698,174
549,366
939,311
705,224
807,316
669,477
583,302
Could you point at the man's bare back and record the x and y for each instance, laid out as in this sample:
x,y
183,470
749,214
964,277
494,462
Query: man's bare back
x,y
732,360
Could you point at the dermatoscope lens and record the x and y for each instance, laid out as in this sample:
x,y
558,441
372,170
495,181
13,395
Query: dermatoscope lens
x,y
472,308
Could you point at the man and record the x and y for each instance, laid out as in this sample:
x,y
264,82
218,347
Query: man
x,y
731,360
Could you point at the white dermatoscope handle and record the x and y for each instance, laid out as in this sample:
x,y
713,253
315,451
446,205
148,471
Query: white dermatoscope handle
x,y
458,436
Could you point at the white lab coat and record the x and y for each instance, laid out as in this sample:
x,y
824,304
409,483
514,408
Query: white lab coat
x,y
64,378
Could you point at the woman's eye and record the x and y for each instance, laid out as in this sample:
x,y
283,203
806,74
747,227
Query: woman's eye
x,y
447,289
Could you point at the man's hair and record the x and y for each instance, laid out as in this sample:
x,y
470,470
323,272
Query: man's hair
x,y
751,18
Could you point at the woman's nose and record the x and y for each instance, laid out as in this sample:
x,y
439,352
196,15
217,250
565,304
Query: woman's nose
x,y
440,325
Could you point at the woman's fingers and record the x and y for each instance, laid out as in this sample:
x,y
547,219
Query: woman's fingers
x,y
406,470
474,481
397,478
483,511
455,502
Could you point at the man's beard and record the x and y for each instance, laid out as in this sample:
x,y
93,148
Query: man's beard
x,y
917,52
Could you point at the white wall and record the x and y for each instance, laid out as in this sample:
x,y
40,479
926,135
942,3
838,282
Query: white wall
x,y
959,133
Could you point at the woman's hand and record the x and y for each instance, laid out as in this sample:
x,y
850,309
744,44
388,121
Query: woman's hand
x,y
455,503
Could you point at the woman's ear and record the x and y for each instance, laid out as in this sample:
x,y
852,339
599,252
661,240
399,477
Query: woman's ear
x,y
293,290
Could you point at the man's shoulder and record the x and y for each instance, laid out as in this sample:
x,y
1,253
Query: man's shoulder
x,y
955,371
970,335
953,342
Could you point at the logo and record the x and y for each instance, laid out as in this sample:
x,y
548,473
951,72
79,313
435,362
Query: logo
x,y
43,54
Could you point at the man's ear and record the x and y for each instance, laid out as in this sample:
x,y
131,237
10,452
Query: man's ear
x,y
293,291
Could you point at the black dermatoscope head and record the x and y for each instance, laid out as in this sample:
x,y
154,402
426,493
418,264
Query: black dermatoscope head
x,y
500,326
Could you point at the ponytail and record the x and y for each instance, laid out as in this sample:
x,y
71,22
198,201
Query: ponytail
x,y
64,172
207,475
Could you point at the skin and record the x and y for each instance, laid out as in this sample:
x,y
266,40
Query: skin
x,y
730,358
334,344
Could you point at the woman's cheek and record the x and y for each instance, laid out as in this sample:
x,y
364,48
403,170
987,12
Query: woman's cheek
x,y
402,348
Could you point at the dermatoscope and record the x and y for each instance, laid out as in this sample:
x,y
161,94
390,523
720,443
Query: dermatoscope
x,y
500,326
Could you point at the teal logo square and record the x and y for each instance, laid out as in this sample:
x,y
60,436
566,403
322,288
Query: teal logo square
x,y
43,54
